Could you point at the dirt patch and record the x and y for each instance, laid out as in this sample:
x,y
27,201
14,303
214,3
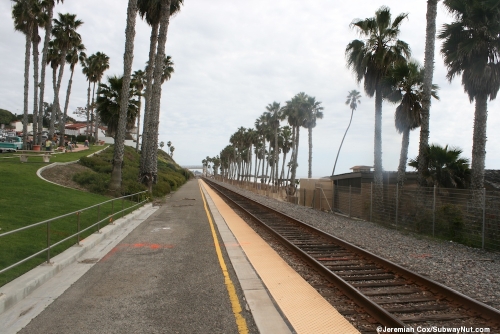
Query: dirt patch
x,y
63,175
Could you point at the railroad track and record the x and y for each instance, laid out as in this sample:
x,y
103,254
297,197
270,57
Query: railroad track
x,y
394,296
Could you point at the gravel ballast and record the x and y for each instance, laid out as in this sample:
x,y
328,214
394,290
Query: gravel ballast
x,y
471,271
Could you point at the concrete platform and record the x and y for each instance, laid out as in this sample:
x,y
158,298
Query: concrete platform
x,y
188,266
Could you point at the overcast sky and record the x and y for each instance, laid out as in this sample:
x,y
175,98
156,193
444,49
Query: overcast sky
x,y
233,58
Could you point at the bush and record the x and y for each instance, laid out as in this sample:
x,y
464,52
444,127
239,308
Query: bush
x,y
450,221
95,182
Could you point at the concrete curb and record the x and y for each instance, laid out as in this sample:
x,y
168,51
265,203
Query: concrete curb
x,y
14,291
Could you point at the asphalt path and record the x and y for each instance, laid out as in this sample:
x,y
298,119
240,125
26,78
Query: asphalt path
x,y
164,277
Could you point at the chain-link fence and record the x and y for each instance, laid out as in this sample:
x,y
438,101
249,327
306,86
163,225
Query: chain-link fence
x,y
465,216
461,215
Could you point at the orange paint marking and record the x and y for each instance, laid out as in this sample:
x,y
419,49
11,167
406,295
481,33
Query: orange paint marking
x,y
131,246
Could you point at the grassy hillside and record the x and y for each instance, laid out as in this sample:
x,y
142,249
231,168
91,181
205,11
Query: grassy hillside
x,y
26,199
170,175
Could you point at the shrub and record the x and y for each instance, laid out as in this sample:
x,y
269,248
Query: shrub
x,y
95,182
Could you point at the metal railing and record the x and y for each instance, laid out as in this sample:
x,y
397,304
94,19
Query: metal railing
x,y
105,209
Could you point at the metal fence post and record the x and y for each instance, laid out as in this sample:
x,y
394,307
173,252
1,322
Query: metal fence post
x,y
349,201
484,216
371,200
98,218
397,203
78,226
123,202
112,211
434,211
48,242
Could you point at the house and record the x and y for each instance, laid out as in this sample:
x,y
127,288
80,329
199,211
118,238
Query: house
x,y
76,129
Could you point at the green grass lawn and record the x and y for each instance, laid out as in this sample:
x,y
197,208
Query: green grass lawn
x,y
26,199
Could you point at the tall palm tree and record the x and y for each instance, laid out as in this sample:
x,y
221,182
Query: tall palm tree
x,y
312,114
23,13
275,117
445,168
353,98
49,12
172,149
138,80
406,80
54,60
89,71
167,71
75,54
109,102
116,173
100,64
65,37
286,134
430,39
40,21
370,59
470,48
152,11
295,111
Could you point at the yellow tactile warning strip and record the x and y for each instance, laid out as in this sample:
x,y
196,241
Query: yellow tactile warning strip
x,y
304,308
233,297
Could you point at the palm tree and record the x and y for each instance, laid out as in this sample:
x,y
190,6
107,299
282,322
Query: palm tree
x,y
100,65
172,149
275,116
430,38
65,37
353,98
138,80
53,59
108,102
295,111
116,173
312,114
75,54
286,134
151,113
470,48
153,11
370,60
40,21
406,81
23,13
445,168
49,12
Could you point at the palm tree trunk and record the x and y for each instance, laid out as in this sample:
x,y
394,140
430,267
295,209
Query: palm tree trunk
x,y
56,97
35,41
66,104
283,166
147,99
97,119
479,142
294,165
92,116
48,28
152,167
26,86
378,174
53,111
310,139
88,112
138,125
403,157
116,173
430,38
342,142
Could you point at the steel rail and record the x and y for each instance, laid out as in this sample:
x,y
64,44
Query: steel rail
x,y
478,308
